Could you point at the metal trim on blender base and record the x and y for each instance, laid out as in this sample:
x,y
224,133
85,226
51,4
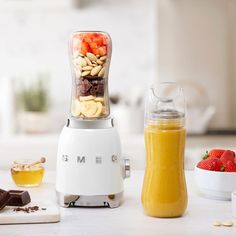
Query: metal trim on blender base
x,y
103,123
111,200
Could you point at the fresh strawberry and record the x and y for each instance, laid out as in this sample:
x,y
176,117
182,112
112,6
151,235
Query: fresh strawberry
x,y
216,153
230,166
227,156
213,164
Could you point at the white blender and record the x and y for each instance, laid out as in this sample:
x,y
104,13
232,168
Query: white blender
x,y
90,168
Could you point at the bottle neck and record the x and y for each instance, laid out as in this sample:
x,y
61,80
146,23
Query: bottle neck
x,y
167,124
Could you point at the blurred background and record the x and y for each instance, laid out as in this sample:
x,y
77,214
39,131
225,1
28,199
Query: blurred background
x,y
188,41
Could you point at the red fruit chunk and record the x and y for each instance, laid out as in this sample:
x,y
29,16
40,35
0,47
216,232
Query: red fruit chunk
x,y
102,50
93,45
92,42
216,153
230,166
87,39
213,164
98,39
227,156
84,48
95,51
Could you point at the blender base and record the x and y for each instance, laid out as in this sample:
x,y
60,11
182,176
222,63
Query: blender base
x,y
111,200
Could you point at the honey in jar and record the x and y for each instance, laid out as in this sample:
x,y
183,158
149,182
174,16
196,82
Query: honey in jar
x,y
25,174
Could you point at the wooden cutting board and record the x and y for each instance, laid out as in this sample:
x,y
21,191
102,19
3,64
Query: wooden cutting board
x,y
50,215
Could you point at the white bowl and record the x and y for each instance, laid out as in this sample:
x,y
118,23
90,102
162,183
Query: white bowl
x,y
215,184
233,204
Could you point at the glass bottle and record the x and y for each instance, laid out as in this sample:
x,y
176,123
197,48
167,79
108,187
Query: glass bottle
x,y
164,192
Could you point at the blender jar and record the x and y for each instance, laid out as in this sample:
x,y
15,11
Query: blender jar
x,y
90,56
164,192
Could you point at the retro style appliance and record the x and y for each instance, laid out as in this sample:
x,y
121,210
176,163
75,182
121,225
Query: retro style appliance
x,y
90,168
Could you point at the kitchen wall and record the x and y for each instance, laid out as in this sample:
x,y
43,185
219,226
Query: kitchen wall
x,y
194,40
34,38
196,44
232,20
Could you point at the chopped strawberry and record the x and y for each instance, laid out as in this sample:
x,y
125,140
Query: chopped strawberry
x,y
88,39
84,48
213,164
216,153
227,156
95,51
102,50
92,42
93,45
98,40
230,166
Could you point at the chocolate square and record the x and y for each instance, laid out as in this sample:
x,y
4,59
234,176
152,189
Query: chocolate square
x,y
4,198
18,198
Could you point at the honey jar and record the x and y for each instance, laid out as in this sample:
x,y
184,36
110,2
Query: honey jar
x,y
26,173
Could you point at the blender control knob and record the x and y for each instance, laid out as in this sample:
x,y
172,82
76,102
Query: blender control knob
x,y
126,168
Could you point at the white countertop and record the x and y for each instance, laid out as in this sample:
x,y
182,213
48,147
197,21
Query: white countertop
x,y
129,218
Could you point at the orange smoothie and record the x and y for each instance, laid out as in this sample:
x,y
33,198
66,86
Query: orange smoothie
x,y
164,191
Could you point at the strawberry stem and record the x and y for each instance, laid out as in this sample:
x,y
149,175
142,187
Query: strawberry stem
x,y
222,169
206,155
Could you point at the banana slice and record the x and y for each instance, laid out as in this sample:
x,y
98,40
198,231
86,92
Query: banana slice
x,y
99,99
75,107
99,109
89,108
86,98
